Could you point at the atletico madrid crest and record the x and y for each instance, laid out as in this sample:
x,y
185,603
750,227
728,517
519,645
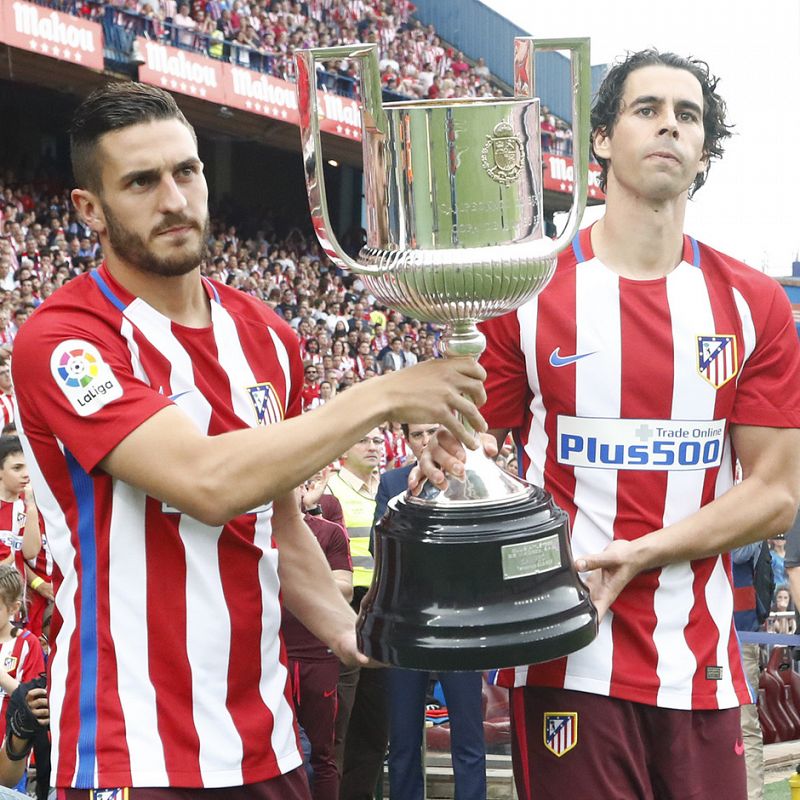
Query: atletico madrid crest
x,y
560,731
265,401
717,359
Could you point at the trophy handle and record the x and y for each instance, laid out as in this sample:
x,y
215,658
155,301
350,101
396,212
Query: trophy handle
x,y
374,122
581,77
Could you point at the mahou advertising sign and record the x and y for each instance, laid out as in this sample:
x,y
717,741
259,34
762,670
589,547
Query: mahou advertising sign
x,y
558,173
41,30
180,71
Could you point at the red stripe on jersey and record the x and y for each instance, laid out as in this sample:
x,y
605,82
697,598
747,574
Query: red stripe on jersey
x,y
238,559
554,332
641,495
172,676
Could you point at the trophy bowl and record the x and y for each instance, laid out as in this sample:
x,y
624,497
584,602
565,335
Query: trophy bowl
x,y
480,575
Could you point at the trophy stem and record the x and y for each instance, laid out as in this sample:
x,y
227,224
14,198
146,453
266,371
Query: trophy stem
x,y
463,338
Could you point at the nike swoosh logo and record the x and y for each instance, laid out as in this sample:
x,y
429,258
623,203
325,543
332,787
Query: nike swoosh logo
x,y
738,748
174,397
328,694
562,361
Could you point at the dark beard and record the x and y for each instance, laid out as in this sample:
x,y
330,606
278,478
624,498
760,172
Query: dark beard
x,y
132,248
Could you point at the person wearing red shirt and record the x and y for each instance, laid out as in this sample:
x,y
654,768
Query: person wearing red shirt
x,y
162,422
634,382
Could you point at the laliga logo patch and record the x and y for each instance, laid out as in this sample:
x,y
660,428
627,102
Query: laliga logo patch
x,y
717,359
84,378
265,403
560,731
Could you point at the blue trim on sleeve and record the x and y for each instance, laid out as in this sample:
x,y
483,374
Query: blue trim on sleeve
x,y
213,289
695,252
106,290
576,247
87,696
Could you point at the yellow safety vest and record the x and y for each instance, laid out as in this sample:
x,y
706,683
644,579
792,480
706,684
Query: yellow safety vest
x,y
359,510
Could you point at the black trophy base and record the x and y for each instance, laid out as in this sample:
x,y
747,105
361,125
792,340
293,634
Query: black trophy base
x,y
474,588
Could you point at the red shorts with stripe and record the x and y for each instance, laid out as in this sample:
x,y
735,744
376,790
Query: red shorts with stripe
x,y
580,745
291,786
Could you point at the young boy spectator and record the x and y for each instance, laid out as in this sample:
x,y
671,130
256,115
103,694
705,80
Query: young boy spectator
x,y
19,518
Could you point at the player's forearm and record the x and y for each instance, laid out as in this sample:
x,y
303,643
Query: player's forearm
x,y
11,772
31,536
215,478
751,511
308,588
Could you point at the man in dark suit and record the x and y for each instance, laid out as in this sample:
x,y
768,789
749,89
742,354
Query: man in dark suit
x,y
408,688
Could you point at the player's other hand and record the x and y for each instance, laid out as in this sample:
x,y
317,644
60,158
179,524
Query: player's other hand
x,y
445,456
608,573
346,650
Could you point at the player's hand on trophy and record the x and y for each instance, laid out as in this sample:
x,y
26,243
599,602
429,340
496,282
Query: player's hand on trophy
x,y
445,456
608,573
443,390
346,650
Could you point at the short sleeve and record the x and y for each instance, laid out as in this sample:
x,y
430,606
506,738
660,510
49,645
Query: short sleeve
x,y
75,382
768,391
506,380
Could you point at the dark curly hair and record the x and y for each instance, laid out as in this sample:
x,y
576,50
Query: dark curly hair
x,y
607,104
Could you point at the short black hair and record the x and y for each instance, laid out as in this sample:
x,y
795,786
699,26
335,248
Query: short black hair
x,y
8,446
608,104
112,107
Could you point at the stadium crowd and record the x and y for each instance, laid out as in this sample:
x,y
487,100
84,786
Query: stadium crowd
x,y
414,61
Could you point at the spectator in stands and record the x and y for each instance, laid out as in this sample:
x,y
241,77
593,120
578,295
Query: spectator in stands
x,y
780,621
777,547
361,723
745,618
185,25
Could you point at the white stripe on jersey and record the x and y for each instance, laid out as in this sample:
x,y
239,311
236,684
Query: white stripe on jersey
x,y
126,329
719,599
233,361
215,731
689,305
157,329
283,360
536,446
748,328
127,574
63,553
598,392
272,684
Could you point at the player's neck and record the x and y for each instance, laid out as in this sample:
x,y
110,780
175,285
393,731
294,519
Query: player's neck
x,y
181,298
6,632
6,496
639,238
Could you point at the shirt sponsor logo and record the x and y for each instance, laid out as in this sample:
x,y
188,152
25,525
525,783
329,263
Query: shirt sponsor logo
x,y
640,444
717,359
11,540
84,378
560,731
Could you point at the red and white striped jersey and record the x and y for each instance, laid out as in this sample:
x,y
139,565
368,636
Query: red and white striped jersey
x,y
12,527
167,667
8,409
22,658
621,394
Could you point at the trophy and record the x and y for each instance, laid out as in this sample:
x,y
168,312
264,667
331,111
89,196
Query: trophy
x,y
480,575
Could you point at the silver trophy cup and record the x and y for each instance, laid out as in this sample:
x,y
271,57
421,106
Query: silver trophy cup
x,y
480,575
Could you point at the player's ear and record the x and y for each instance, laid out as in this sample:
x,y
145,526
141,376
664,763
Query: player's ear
x,y
90,209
